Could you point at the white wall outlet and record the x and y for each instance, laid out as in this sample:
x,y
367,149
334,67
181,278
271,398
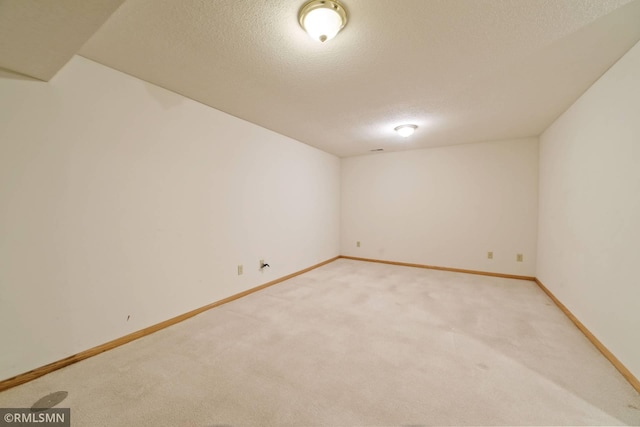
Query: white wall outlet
x,y
490,255
261,263
358,243
519,257
240,270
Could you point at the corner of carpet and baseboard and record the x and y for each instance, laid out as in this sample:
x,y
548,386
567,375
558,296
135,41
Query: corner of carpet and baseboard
x,y
626,373
58,364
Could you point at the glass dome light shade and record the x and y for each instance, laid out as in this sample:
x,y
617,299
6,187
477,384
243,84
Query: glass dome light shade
x,y
406,130
322,19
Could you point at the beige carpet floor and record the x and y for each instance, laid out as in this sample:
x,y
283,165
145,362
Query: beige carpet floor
x,y
354,343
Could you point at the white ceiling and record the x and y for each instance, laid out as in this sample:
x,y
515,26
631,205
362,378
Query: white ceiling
x,y
463,70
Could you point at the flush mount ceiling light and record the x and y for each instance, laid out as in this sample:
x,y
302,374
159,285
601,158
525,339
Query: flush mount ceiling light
x,y
406,130
322,19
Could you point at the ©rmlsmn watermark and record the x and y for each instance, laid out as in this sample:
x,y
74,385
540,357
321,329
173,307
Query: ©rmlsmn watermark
x,y
23,417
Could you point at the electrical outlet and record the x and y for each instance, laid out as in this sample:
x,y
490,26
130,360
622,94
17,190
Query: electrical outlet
x,y
358,243
240,270
519,257
490,255
261,263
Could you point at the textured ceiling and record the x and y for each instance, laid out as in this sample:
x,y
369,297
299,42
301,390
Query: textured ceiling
x,y
37,37
463,70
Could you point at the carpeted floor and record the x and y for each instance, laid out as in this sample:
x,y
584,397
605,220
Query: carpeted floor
x,y
354,343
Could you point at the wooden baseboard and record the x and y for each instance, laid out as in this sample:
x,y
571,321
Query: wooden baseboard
x,y
433,267
43,370
595,341
635,383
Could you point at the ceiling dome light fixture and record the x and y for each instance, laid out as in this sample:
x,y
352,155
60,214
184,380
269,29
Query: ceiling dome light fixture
x,y
406,130
322,19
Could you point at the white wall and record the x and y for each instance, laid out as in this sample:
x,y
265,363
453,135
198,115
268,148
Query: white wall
x,y
589,238
119,198
444,206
